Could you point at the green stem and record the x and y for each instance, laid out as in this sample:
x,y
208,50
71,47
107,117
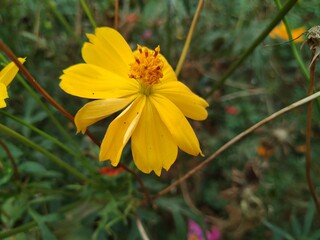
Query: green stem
x,y
60,17
48,97
30,225
280,232
12,160
38,148
17,230
293,45
296,52
55,192
54,140
289,4
40,132
33,82
45,108
189,37
88,13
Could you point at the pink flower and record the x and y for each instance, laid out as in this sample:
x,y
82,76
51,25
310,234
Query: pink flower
x,y
195,232
147,34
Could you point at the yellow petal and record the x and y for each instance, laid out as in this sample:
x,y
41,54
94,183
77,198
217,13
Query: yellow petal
x,y
120,131
8,73
177,125
109,50
168,73
3,95
90,81
297,33
97,110
191,105
152,145
280,31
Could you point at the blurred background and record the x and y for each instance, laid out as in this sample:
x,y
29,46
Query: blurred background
x,y
255,190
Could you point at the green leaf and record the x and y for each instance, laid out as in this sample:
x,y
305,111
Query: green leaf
x,y
36,169
180,225
315,235
14,150
308,219
45,231
6,172
296,227
13,207
32,168
277,230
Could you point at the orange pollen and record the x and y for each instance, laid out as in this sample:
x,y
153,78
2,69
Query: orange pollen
x,y
147,67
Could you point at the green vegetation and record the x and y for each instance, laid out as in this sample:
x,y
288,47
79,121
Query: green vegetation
x,y
52,185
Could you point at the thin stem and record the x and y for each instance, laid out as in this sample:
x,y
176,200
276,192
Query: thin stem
x,y
60,17
295,51
308,137
116,15
30,225
189,37
88,13
46,109
280,232
238,138
293,45
12,160
38,148
143,188
89,167
289,4
46,95
20,229
38,88
141,229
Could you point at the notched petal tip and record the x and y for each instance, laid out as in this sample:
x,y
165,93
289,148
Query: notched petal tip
x,y
149,170
103,157
157,172
83,131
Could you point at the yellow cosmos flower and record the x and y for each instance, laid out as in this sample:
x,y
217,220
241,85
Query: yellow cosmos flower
x,y
7,74
281,32
142,83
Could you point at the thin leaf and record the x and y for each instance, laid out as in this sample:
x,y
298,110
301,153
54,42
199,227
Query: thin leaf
x,y
308,219
277,230
45,231
296,227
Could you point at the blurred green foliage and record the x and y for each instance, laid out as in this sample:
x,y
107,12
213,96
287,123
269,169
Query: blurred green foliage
x,y
255,190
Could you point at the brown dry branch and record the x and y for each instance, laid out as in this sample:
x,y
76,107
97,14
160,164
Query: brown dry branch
x,y
12,160
236,139
314,44
55,104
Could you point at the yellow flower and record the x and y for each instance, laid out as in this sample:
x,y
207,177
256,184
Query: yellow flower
x,y
142,83
7,74
281,32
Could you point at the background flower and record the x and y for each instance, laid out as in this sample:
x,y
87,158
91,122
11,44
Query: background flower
x,y
7,74
195,232
281,32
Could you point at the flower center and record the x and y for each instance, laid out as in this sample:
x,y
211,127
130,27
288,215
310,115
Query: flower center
x,y
147,68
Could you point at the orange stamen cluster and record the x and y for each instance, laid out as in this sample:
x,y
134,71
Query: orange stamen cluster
x,y
148,66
